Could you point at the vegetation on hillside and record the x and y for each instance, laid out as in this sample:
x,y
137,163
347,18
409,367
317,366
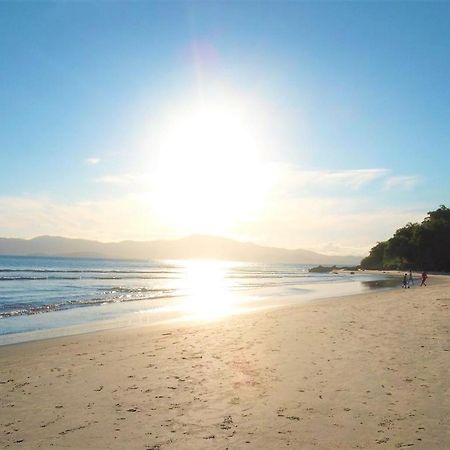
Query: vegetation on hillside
x,y
416,246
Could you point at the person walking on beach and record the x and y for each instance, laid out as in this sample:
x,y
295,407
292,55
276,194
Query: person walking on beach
x,y
405,281
411,281
424,278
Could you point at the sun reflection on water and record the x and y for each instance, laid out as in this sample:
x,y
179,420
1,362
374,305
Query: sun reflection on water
x,y
209,292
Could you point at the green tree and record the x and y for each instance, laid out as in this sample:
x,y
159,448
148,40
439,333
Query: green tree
x,y
424,246
402,247
434,240
376,257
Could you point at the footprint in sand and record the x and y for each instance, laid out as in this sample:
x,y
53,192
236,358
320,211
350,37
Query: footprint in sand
x,y
227,423
293,418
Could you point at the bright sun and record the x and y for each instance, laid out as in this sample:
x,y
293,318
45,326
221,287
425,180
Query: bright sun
x,y
210,174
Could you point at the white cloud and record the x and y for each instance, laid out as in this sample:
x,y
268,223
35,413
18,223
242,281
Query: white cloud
x,y
335,248
292,178
297,214
122,179
349,178
92,161
406,182
351,226
125,217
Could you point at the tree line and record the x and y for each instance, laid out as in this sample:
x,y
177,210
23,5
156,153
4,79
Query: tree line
x,y
416,246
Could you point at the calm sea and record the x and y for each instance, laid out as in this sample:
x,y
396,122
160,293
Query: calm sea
x,y
38,293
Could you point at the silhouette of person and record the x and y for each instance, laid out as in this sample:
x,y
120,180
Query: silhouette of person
x,y
424,278
411,280
405,281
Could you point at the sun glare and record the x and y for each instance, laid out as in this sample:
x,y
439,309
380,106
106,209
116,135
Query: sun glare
x,y
208,292
210,172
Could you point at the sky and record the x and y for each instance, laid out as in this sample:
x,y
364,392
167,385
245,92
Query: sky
x,y
313,125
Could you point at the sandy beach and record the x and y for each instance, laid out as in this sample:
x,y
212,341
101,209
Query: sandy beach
x,y
367,371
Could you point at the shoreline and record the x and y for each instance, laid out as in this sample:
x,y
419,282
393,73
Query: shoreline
x,y
93,328
363,371
153,312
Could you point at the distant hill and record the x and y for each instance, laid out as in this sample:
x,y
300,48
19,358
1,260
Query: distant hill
x,y
192,247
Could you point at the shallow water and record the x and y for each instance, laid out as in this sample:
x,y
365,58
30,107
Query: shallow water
x,y
41,294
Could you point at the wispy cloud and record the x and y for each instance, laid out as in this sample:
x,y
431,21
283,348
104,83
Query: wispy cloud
x,y
293,178
319,210
37,215
329,225
92,161
350,178
122,179
405,182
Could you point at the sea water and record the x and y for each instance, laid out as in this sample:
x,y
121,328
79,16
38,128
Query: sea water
x,y
40,294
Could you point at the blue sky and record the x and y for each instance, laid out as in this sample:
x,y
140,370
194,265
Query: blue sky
x,y
354,100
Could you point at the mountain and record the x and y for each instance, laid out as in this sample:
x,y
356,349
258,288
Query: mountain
x,y
192,247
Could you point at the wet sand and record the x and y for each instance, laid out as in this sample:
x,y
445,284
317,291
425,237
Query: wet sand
x,y
368,371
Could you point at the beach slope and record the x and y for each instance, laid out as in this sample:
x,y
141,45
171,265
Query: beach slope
x,y
361,372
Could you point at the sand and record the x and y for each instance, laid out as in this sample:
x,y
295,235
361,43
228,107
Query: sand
x,y
367,371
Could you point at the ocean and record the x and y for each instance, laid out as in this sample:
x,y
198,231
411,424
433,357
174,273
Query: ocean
x,y
43,296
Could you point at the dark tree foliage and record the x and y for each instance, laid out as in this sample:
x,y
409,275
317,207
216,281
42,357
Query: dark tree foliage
x,y
375,258
424,246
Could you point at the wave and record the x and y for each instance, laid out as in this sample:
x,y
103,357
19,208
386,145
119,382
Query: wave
x,y
265,275
159,271
21,278
36,290
136,290
50,277
28,310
